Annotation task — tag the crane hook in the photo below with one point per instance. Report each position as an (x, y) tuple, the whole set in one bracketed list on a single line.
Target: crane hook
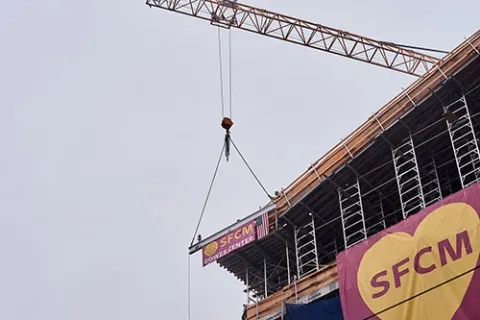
[(227, 123)]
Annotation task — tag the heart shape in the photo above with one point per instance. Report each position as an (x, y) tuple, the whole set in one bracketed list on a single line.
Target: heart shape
[(446, 244)]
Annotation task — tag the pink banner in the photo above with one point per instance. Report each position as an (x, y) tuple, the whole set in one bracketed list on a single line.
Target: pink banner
[(424, 267), (230, 242)]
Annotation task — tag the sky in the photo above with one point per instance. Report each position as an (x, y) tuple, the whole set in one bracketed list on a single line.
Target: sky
[(110, 131)]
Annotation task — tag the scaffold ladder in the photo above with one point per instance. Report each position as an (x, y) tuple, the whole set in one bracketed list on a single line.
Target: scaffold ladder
[(408, 178), (431, 185), (331, 251), (445, 184), (464, 142), (353, 220), (380, 224), (306, 248)]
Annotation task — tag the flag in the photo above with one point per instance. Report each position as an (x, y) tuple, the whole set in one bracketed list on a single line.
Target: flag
[(261, 225)]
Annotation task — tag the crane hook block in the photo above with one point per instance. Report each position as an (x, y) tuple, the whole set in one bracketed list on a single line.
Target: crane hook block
[(227, 123)]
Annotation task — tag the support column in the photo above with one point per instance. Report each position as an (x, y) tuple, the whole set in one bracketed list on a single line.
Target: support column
[(380, 224), (431, 184), (408, 178), (288, 262), (265, 276), (295, 286), (248, 285), (446, 184), (464, 142), (306, 248), (330, 251), (351, 210)]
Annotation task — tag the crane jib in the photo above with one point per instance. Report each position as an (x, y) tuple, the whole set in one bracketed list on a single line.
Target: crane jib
[(231, 14)]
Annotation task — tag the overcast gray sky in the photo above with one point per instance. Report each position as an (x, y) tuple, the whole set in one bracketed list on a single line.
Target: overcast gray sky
[(109, 133)]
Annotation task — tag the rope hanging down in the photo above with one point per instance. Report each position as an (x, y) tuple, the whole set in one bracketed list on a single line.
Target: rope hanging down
[(208, 194), (250, 168), (227, 124), (226, 143)]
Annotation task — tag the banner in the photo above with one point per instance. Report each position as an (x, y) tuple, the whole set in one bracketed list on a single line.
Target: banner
[(424, 267), (325, 309), (230, 242)]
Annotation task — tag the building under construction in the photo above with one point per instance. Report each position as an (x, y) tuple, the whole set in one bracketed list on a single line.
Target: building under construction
[(418, 154)]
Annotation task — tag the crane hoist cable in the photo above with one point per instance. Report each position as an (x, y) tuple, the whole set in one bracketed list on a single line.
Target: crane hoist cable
[(222, 100), (227, 122), (230, 70), (220, 59)]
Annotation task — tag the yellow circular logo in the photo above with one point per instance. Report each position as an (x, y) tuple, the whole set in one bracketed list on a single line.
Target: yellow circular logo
[(211, 248)]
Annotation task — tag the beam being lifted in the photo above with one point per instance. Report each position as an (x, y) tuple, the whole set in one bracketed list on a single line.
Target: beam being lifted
[(200, 244), (230, 14)]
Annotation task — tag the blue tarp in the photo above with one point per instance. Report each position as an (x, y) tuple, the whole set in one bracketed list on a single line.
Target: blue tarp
[(328, 309)]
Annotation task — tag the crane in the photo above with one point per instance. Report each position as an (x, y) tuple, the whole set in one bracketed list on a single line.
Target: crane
[(230, 14)]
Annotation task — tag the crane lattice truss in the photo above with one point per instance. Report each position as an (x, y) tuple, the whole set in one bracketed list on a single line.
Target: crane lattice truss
[(230, 14)]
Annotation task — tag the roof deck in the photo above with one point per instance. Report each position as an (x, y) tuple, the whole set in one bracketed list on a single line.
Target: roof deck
[(419, 148)]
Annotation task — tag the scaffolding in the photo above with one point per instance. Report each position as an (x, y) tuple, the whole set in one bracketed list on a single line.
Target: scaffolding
[(424, 167), (351, 211), (306, 248), (379, 212), (408, 178), (464, 141), (431, 184)]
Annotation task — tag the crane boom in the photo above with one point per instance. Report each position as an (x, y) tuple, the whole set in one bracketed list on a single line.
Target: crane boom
[(229, 14)]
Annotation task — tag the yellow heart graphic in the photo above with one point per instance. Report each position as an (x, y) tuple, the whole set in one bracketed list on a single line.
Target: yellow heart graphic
[(446, 244)]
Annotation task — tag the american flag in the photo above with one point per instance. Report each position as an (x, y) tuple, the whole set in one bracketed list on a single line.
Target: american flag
[(261, 225)]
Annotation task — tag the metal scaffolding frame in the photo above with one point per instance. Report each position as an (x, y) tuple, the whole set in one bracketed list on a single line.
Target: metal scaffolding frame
[(464, 141), (418, 187), (408, 178), (380, 213), (430, 183), (351, 212), (445, 184), (427, 166), (426, 169), (331, 250), (287, 258), (306, 248)]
